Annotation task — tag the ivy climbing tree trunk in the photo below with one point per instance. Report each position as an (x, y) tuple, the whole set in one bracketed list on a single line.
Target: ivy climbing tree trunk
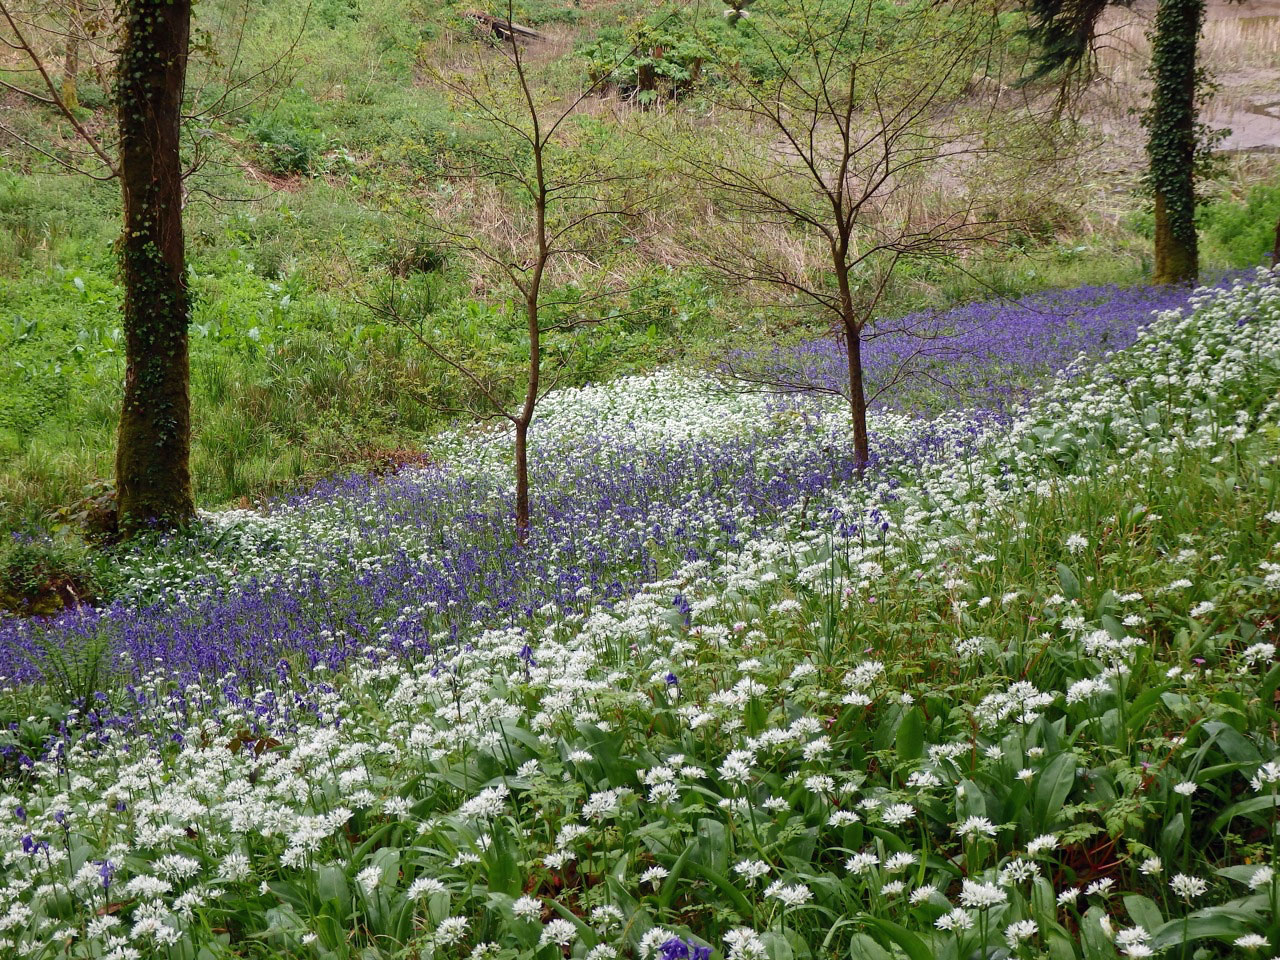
[(153, 474), (1171, 143)]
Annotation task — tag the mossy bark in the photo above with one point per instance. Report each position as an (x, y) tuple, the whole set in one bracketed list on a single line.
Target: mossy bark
[(153, 474), (71, 72), (1171, 144)]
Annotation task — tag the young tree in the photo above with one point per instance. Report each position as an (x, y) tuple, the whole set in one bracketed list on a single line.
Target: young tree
[(1065, 31), (861, 147), (558, 189)]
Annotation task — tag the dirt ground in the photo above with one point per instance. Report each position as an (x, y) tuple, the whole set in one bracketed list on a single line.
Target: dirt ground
[(1241, 48)]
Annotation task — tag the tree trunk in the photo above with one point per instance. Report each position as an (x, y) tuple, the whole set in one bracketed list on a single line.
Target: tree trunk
[(1171, 143), (71, 69), (153, 474), (853, 349), (646, 83), (522, 480), (857, 395)]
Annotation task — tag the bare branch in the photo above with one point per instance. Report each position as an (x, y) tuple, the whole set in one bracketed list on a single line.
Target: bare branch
[(23, 45)]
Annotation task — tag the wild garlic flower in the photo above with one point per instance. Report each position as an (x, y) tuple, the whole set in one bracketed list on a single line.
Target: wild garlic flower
[(1188, 887)]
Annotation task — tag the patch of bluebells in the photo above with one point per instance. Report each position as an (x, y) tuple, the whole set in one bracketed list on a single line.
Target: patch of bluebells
[(676, 949), (338, 596), (991, 354)]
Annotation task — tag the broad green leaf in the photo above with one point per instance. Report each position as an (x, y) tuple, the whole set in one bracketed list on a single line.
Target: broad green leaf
[(1070, 583), (908, 942), (1243, 809), (911, 735), (669, 885), (732, 893), (1199, 927), (862, 947), (1144, 912), (1053, 786)]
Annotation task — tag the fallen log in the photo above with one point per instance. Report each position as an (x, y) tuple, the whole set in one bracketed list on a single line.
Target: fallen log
[(488, 24)]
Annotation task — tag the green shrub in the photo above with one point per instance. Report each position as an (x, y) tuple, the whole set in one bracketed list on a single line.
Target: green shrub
[(289, 140), (336, 13), (1243, 232), (662, 57), (1233, 233)]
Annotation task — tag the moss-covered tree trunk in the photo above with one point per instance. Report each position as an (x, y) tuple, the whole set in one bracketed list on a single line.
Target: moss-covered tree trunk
[(153, 474), (71, 63), (1171, 144)]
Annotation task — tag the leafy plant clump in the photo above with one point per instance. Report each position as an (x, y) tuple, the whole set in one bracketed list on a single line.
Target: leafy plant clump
[(44, 575), (668, 54), (288, 139)]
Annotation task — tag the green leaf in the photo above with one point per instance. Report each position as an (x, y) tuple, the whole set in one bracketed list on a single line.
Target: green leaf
[(331, 884), (1144, 912), (1199, 927), (1053, 786), (669, 886), (911, 735), (1171, 835), (969, 800), (1060, 946), (1267, 692), (504, 871), (776, 946), (1243, 809), (713, 844), (908, 942), (1242, 873), (1070, 583), (862, 947), (1097, 945), (734, 895), (1230, 741), (1114, 627)]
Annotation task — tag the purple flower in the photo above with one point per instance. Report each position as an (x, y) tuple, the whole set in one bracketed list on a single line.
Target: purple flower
[(676, 949)]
